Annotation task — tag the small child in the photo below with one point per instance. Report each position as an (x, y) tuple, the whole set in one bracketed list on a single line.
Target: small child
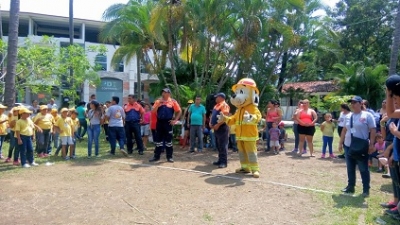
[(74, 126), (327, 128), (232, 137), (274, 134), (380, 147), (282, 136), (64, 128)]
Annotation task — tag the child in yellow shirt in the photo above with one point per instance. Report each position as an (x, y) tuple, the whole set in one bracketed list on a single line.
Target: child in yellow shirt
[(327, 128), (13, 116), (232, 137), (63, 127), (3, 129), (43, 120), (74, 126), (25, 133)]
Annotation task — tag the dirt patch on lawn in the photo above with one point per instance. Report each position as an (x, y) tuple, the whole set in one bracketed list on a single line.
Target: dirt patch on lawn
[(127, 191)]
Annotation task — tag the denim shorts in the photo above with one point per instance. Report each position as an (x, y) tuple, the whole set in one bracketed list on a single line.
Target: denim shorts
[(67, 140)]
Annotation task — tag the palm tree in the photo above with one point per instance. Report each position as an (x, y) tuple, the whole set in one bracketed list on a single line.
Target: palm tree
[(9, 95), (394, 55)]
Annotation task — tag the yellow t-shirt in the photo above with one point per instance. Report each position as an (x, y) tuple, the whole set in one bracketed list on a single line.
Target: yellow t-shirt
[(65, 126), (232, 129), (25, 127), (12, 121), (74, 124), (3, 125), (44, 121), (328, 129)]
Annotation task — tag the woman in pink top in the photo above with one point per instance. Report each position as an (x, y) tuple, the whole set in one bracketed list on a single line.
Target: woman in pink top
[(145, 126), (306, 118), (272, 115)]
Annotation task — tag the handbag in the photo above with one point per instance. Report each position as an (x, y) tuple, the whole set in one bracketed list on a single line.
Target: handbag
[(359, 147)]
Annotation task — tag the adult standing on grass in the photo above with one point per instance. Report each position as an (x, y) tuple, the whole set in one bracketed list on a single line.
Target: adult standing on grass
[(168, 114), (197, 115), (361, 124), (295, 130), (307, 118), (96, 118), (24, 130), (134, 117), (45, 121), (392, 100), (273, 114), (344, 113), (186, 124), (116, 119), (82, 119)]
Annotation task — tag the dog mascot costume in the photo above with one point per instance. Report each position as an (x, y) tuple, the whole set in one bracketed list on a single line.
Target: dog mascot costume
[(246, 118)]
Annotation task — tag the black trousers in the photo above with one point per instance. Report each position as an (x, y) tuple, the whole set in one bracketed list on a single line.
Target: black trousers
[(222, 140)]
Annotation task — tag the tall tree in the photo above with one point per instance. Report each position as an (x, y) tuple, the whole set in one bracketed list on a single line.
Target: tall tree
[(394, 55), (9, 95)]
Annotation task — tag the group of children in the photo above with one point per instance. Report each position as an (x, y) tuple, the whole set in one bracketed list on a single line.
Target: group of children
[(26, 128), (277, 135)]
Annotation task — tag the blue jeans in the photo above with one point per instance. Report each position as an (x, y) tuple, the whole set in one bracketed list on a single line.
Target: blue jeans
[(93, 132), (232, 138), (13, 147), (395, 175), (42, 141), (26, 149), (116, 133), (327, 141), (84, 126), (297, 138), (351, 171), (2, 138), (196, 131), (212, 140), (55, 139)]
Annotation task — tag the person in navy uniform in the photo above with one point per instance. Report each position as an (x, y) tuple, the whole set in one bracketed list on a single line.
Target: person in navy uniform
[(134, 116), (168, 113), (221, 130)]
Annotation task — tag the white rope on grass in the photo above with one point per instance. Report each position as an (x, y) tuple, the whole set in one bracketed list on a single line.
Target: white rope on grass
[(223, 176)]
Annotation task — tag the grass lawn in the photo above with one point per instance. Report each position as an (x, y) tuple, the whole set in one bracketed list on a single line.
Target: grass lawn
[(313, 173)]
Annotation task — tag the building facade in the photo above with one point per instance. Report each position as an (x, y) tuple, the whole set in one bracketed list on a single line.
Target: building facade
[(119, 80)]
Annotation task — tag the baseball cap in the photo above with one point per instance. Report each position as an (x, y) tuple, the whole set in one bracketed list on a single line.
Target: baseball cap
[(64, 110), (393, 84), (220, 95), (24, 110), (167, 90), (355, 99)]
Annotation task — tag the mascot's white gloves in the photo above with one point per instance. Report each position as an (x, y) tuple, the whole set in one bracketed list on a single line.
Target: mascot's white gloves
[(249, 118), (222, 118)]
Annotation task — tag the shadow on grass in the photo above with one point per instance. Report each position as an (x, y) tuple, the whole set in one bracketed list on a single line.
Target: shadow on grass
[(387, 188), (8, 167), (343, 200), (221, 180), (387, 219)]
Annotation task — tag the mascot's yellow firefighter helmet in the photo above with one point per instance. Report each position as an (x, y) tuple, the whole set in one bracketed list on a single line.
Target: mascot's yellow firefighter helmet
[(247, 82)]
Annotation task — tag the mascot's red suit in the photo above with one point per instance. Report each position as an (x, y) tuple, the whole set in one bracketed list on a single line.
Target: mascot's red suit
[(246, 118)]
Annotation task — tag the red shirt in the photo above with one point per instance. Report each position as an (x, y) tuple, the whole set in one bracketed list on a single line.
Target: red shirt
[(153, 120)]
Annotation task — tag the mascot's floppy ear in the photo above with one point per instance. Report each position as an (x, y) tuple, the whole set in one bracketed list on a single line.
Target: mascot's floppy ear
[(256, 98)]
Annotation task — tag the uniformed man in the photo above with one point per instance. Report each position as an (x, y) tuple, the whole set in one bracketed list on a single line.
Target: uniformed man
[(134, 116), (168, 113), (221, 130)]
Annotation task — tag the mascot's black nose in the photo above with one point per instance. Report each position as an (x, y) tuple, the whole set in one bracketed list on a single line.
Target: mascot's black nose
[(233, 95)]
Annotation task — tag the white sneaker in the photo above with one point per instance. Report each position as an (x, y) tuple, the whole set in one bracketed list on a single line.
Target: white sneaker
[(26, 166), (34, 164)]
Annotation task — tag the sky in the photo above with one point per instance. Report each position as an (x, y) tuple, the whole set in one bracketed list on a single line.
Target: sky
[(83, 9)]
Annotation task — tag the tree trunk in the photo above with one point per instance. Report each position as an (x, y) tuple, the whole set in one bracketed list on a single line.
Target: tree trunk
[(9, 95), (394, 55), (71, 42), (139, 78), (282, 75), (171, 53)]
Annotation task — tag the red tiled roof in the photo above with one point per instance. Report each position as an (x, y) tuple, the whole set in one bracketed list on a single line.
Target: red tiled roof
[(312, 86)]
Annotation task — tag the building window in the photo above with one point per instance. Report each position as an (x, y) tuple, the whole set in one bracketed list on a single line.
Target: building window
[(121, 66), (101, 61)]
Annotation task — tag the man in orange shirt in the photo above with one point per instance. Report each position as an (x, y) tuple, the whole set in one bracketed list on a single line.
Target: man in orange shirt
[(168, 113), (134, 116), (221, 130)]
